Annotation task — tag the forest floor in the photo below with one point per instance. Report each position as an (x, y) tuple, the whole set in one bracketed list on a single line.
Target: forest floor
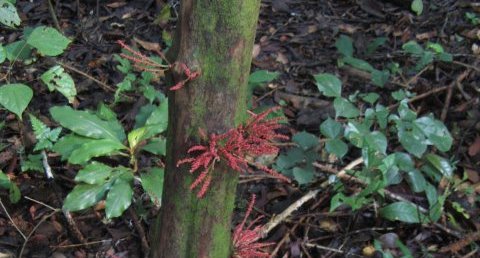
[(295, 38)]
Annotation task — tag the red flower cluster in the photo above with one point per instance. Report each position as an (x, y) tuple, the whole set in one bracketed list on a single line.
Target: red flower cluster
[(255, 138), (145, 63), (245, 240)]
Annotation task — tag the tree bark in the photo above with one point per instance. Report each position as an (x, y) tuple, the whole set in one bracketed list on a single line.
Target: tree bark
[(216, 38)]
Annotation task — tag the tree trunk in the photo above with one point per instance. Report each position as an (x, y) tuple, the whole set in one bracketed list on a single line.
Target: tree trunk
[(216, 38)]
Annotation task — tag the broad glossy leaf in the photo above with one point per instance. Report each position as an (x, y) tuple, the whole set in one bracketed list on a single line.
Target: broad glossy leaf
[(337, 147), (118, 199), (18, 50), (344, 45), (442, 165), (412, 47), (404, 161), (136, 136), (417, 6), (344, 108), (303, 175), (70, 142), (305, 140), (92, 149), (86, 124), (8, 14), (331, 128), (328, 84), (402, 211), (413, 141), (157, 146), (15, 98), (84, 196), (416, 180), (57, 79), (48, 41), (262, 76), (94, 173), (359, 64), (436, 132), (377, 141), (152, 183)]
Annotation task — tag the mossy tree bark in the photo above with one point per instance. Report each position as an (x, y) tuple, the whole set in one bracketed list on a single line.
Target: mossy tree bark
[(216, 38)]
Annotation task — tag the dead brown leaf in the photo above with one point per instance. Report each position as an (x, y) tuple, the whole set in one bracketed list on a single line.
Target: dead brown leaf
[(474, 148)]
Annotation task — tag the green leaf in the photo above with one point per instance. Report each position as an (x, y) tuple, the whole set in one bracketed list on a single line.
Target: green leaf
[(305, 140), (44, 135), (32, 163), (404, 161), (417, 6), (328, 84), (425, 59), (337, 147), (262, 76), (14, 193), (416, 180), (57, 79), (97, 148), (377, 141), (442, 165), (136, 136), (8, 14), (303, 176), (402, 211), (331, 128), (343, 108), (4, 180), (67, 144), (18, 50), (445, 57), (344, 45), (124, 67), (86, 124), (152, 183), (84, 196), (48, 41), (358, 63), (118, 199), (437, 48), (412, 47), (106, 113), (94, 173), (436, 132), (157, 146), (355, 132), (15, 98), (3, 54), (373, 45), (379, 78), (413, 141), (159, 117), (370, 98)]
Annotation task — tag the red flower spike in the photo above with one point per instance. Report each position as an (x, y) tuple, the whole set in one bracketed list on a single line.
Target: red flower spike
[(253, 139), (245, 240)]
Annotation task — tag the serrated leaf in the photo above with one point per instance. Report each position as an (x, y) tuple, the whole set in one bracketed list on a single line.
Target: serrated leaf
[(344, 108), (15, 98), (18, 50), (44, 135), (331, 128), (337, 147), (442, 165), (262, 76), (358, 63), (305, 140), (92, 149), (344, 45), (412, 47), (328, 84), (57, 79), (401, 211), (436, 132), (67, 144), (377, 141), (86, 124), (32, 163), (94, 173), (48, 41), (417, 6), (84, 196), (118, 199), (152, 183), (303, 175), (8, 14)]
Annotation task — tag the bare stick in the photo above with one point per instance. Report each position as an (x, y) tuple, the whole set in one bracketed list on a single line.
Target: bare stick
[(103, 85), (54, 15), (11, 220)]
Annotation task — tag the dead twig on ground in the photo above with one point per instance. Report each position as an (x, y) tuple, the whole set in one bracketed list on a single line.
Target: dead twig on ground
[(11, 220)]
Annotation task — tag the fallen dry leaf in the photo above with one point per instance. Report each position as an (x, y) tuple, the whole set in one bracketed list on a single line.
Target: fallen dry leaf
[(474, 148)]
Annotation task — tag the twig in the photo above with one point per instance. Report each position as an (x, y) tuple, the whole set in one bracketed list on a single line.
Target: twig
[(284, 238), (448, 98), (41, 203), (325, 248), (80, 245), (33, 231), (103, 85), (54, 16), (297, 204), (11, 220), (141, 232)]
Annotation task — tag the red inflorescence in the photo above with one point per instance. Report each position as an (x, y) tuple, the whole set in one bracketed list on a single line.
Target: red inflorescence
[(145, 63), (245, 240), (255, 138)]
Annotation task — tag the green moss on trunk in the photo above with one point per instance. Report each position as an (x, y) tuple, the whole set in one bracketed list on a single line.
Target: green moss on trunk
[(216, 38)]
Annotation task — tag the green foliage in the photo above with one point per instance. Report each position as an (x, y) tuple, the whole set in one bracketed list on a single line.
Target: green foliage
[(471, 17), (258, 80), (3, 54), (6, 183), (48, 41), (57, 79), (15, 98), (417, 6), (8, 14), (426, 57), (44, 135)]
